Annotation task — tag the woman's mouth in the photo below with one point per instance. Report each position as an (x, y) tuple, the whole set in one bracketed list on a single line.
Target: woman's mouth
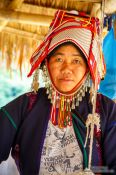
[(66, 80)]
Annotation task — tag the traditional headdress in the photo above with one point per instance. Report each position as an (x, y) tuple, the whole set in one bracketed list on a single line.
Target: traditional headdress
[(80, 29), (83, 31)]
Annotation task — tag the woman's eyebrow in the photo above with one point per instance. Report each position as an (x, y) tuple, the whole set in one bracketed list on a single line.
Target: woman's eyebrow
[(58, 53), (61, 53), (78, 54)]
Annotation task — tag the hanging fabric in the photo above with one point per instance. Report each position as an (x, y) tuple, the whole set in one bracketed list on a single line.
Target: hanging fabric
[(108, 85)]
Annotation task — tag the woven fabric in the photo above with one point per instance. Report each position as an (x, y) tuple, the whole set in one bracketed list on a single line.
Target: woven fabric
[(81, 37)]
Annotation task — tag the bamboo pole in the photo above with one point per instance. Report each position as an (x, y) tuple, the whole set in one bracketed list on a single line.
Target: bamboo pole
[(2, 4), (25, 18), (14, 4), (23, 34), (35, 9), (94, 1), (96, 10)]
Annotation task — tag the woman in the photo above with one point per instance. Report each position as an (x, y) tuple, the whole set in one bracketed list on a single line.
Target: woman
[(47, 130)]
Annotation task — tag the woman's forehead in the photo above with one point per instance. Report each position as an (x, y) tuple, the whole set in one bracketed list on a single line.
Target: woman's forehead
[(68, 47)]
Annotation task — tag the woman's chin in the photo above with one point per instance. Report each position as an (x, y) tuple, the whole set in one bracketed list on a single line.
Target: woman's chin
[(65, 89)]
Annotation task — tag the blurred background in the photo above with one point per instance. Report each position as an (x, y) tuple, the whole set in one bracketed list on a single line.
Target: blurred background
[(23, 25)]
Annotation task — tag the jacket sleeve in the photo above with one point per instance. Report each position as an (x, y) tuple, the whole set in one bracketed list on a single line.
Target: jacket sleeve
[(11, 116), (108, 123)]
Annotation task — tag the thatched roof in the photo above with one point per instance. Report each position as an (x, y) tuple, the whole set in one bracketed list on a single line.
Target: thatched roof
[(24, 23)]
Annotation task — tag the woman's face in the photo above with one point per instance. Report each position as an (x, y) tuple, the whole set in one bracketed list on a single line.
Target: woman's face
[(66, 67)]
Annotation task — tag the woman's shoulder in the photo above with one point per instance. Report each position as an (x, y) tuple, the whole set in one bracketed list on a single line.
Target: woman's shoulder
[(33, 97), (105, 100), (107, 107), (23, 101)]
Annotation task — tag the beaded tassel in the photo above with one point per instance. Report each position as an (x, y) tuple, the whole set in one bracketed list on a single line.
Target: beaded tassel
[(53, 111), (64, 116), (35, 83), (92, 118)]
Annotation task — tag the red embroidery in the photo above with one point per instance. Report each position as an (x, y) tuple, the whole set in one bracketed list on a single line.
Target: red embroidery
[(32, 99)]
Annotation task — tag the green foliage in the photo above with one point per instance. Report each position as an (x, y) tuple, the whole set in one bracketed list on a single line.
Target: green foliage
[(12, 86)]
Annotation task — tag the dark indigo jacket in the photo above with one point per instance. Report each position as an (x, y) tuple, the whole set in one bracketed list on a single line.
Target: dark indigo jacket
[(23, 124)]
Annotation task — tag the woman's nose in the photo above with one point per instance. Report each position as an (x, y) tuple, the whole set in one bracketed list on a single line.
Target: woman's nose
[(66, 68)]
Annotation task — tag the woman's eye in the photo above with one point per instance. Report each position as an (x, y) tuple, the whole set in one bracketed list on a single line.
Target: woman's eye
[(59, 59), (76, 61)]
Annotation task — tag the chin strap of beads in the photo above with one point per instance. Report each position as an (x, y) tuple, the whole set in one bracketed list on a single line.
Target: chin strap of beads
[(63, 102)]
